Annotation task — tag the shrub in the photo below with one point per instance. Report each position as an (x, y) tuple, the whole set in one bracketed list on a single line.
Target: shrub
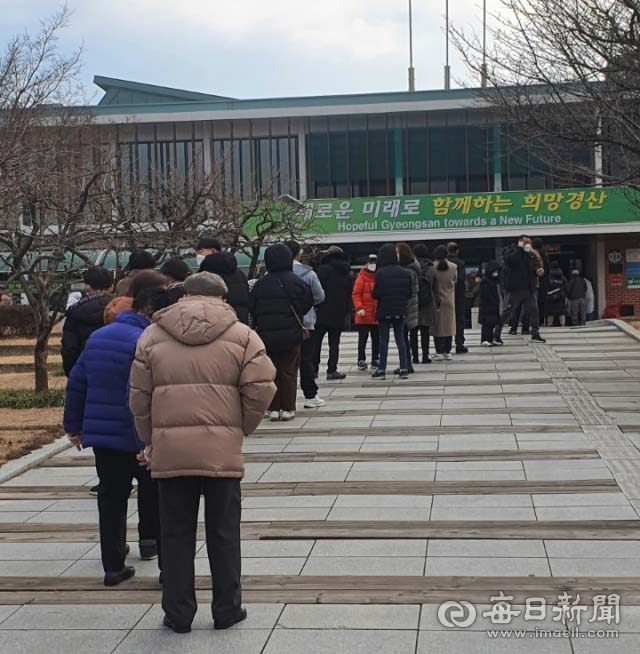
[(16, 320), (27, 399)]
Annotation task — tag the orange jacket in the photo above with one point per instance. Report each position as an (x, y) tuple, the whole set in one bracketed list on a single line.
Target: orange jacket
[(362, 298)]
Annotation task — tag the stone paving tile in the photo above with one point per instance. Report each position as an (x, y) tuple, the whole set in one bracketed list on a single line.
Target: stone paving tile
[(585, 549), (289, 502), (261, 566), (271, 548), (24, 506), (407, 421), (383, 501), (49, 551), (586, 513), (403, 446), (359, 641), (480, 475), (487, 501), (65, 616), (259, 616), (368, 566), (253, 471), (475, 419), (378, 514), (247, 641), (599, 567), (475, 643), (268, 515), (579, 499), (349, 616), (69, 517), (379, 547), (624, 644), (498, 548), (478, 465), (16, 516), (6, 610), (504, 513), (93, 568), (296, 472), (87, 641), (34, 568), (487, 566)]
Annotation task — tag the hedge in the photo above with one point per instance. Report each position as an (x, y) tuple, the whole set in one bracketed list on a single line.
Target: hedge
[(27, 399), (16, 320)]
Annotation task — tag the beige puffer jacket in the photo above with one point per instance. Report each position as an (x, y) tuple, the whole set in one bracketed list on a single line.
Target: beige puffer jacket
[(200, 381)]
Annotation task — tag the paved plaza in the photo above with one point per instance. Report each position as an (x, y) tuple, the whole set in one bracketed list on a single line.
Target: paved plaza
[(513, 469)]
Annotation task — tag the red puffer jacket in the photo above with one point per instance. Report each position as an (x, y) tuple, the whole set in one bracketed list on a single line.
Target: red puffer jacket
[(362, 298)]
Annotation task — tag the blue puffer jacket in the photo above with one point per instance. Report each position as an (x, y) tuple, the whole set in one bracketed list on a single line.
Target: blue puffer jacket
[(97, 398)]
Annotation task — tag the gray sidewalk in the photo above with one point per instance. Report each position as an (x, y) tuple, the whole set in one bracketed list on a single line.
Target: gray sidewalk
[(510, 469)]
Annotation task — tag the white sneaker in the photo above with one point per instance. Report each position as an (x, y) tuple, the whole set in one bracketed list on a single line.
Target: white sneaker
[(274, 416), (437, 357), (314, 403), (285, 416), (487, 344), (447, 356)]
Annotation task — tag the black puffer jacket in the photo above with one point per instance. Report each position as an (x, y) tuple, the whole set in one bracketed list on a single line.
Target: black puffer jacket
[(460, 281), (489, 313), (83, 318), (334, 276), (393, 285), (520, 271), (274, 296), (225, 265)]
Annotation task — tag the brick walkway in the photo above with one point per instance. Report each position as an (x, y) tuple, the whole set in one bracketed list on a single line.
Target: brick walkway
[(513, 469)]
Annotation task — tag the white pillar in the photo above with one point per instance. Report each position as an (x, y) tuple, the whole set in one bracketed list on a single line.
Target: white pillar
[(601, 268), (597, 157), (207, 133), (302, 160)]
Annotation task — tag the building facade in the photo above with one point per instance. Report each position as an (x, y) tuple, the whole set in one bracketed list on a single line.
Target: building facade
[(428, 166)]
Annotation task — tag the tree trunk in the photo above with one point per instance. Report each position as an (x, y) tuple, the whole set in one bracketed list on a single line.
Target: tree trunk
[(40, 359), (255, 257)]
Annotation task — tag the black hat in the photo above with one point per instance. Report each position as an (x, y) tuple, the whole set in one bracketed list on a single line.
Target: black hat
[(208, 243), (141, 260), (98, 278)]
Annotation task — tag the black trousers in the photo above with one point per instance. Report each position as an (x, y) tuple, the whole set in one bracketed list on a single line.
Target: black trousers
[(179, 503), (363, 336), (443, 344), (424, 334), (513, 303), (116, 471), (460, 320), (307, 368), (334, 347), (486, 334)]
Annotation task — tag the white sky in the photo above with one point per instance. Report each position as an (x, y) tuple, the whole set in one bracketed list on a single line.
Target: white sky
[(257, 48)]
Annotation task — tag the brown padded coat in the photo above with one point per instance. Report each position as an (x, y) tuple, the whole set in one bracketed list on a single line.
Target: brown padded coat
[(200, 381)]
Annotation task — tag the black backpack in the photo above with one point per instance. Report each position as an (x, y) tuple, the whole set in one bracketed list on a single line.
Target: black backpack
[(425, 290), (555, 292)]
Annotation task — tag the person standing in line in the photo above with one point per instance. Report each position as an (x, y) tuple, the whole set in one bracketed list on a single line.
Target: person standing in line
[(143, 279), (521, 272), (365, 314), (577, 294), (97, 415), (334, 275), (139, 260), (278, 303), (85, 316), (453, 256), (392, 290), (200, 382), (427, 292), (176, 270), (206, 246), (445, 325), (556, 296), (225, 265), (590, 300), (489, 314), (307, 371), (408, 260)]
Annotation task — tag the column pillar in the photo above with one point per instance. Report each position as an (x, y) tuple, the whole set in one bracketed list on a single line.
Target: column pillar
[(496, 157)]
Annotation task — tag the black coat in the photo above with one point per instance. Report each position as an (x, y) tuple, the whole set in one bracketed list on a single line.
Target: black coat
[(489, 313), (273, 299), (225, 265), (393, 285), (334, 275), (460, 281), (520, 271), (83, 318)]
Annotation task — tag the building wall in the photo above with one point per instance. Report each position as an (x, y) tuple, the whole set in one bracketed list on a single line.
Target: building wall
[(616, 288)]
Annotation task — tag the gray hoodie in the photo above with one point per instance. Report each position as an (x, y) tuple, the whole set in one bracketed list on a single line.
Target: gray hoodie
[(308, 276)]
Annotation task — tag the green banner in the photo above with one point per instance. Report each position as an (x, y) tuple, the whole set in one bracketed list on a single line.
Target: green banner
[(518, 209)]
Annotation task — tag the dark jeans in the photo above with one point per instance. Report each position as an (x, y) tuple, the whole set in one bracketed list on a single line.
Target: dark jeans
[(116, 471), (334, 347), (398, 334), (287, 363), (460, 319), (443, 344), (513, 302), (424, 333), (487, 332), (307, 368), (363, 336), (179, 503)]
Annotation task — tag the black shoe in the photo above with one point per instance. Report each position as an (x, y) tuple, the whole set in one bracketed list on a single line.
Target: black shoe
[(498, 341), (461, 349), (160, 579), (127, 549), (398, 371), (379, 374), (426, 360), (526, 332), (538, 339), (225, 624), (174, 627), (115, 578), (404, 374), (94, 489), (375, 364), (148, 550), (513, 332), (336, 376), (415, 360)]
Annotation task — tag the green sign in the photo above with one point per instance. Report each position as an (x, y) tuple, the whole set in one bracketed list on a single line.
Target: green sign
[(521, 209)]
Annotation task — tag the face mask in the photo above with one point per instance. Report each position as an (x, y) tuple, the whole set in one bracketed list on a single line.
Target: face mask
[(371, 267), (495, 274), (527, 248), (199, 259)]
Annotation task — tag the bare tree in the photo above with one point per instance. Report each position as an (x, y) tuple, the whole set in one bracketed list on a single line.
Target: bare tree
[(564, 76)]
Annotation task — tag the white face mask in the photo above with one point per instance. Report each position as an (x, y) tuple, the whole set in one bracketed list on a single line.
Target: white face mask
[(527, 248), (371, 267), (199, 259), (495, 274)]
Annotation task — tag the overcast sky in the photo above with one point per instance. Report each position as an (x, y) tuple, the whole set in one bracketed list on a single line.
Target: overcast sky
[(255, 48)]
